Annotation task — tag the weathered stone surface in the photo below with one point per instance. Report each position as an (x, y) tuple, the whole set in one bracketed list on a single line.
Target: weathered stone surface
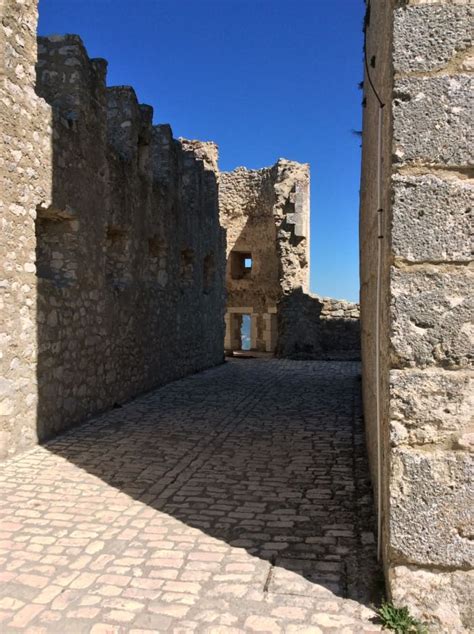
[(432, 120), (432, 508), (378, 43), (426, 38), (431, 314), (415, 230), (442, 598), (432, 218), (266, 217), (25, 183), (430, 406)]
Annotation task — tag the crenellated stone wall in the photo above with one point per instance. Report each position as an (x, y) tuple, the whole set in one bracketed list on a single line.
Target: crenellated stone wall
[(114, 256), (419, 58)]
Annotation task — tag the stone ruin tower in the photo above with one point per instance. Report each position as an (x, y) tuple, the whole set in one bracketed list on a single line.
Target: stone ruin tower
[(266, 217)]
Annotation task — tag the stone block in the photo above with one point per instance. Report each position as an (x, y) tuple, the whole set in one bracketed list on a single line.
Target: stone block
[(431, 508), (427, 37), (444, 599), (430, 406), (432, 218), (432, 120), (431, 317)]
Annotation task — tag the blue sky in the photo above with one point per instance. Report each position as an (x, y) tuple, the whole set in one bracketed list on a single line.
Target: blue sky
[(263, 78)]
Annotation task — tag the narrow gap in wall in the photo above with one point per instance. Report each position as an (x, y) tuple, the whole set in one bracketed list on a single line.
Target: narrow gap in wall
[(245, 329)]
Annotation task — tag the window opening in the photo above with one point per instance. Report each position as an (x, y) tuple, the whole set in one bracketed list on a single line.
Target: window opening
[(241, 264)]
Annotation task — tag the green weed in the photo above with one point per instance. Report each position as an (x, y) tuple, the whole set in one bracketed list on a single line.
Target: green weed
[(399, 620)]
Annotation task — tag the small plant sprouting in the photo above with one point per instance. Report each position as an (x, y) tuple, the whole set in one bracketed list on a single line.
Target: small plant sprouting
[(399, 620)]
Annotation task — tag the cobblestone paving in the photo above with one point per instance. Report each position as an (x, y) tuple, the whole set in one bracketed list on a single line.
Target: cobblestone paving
[(236, 500)]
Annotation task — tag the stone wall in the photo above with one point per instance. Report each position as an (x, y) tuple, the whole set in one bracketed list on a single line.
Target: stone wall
[(312, 327), (266, 216), (418, 58), (113, 248), (25, 180)]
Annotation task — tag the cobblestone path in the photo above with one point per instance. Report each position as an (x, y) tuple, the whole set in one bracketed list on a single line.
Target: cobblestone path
[(236, 500)]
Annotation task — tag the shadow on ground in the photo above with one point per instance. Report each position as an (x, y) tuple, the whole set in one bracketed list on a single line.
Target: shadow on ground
[(261, 454)]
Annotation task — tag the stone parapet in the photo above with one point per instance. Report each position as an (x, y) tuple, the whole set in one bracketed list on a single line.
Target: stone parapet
[(314, 327)]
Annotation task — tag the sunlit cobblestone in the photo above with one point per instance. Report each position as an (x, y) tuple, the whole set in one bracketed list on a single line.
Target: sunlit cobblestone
[(236, 500)]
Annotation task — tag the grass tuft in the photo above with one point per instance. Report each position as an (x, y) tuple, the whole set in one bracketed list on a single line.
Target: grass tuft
[(399, 620)]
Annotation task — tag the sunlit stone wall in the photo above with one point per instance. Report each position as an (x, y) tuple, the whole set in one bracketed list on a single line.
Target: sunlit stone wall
[(419, 57)]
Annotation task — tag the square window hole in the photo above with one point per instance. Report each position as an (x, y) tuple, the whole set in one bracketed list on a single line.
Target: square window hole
[(240, 264)]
